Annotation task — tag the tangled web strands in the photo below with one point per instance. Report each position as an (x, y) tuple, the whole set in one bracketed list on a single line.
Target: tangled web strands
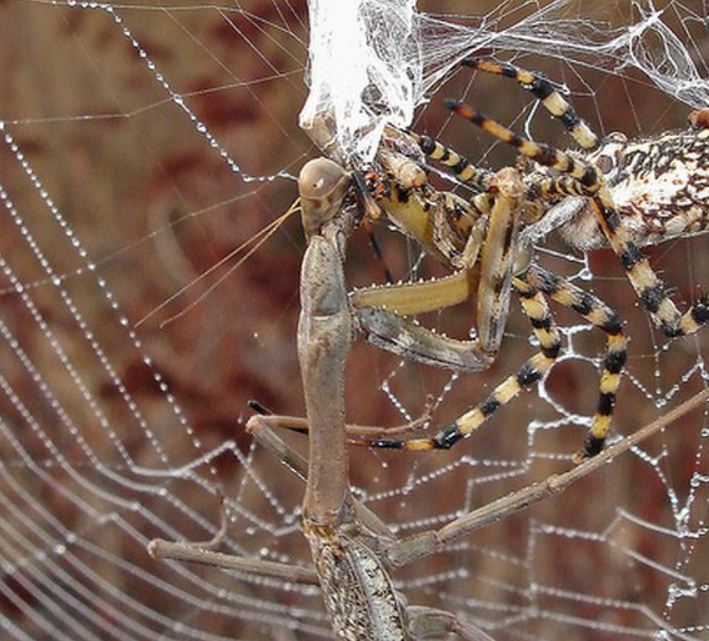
[(372, 62), (152, 142)]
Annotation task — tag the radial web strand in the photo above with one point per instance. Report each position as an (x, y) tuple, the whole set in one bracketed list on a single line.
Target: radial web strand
[(140, 145)]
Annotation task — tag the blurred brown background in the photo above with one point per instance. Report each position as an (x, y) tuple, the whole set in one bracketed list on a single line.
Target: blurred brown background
[(155, 206)]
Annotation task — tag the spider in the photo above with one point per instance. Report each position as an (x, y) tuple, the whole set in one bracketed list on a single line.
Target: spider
[(632, 193)]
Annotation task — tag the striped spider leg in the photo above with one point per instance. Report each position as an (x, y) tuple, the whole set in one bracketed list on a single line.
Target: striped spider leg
[(656, 189), (381, 314), (647, 285), (490, 264), (677, 158)]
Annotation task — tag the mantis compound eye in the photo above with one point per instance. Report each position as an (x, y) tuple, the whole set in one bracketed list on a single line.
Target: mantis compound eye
[(322, 185)]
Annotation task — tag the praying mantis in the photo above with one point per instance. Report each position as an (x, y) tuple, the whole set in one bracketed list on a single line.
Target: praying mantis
[(354, 553)]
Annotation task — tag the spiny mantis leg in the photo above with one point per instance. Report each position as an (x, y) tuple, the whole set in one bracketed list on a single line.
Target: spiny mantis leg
[(425, 623), (537, 310), (425, 543), (411, 341), (380, 314), (498, 255), (379, 311)]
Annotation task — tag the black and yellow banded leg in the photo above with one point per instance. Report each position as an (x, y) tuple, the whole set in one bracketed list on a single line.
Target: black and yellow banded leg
[(549, 188), (600, 315), (648, 286), (544, 91), (533, 370), (477, 177), (586, 173)]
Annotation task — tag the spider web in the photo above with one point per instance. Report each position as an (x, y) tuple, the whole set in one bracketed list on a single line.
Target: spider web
[(142, 144)]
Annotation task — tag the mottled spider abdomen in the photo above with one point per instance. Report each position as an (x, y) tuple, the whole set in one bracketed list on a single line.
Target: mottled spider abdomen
[(660, 189)]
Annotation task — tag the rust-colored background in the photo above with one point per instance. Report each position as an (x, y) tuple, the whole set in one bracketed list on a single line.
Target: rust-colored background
[(155, 206)]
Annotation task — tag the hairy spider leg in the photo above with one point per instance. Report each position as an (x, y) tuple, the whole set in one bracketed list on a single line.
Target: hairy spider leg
[(532, 288), (600, 315), (476, 177), (547, 155), (543, 90), (537, 310), (480, 179), (648, 286)]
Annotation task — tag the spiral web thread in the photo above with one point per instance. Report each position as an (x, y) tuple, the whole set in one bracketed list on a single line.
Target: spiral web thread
[(139, 145)]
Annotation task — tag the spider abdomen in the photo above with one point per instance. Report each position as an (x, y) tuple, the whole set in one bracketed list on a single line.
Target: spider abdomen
[(660, 189)]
